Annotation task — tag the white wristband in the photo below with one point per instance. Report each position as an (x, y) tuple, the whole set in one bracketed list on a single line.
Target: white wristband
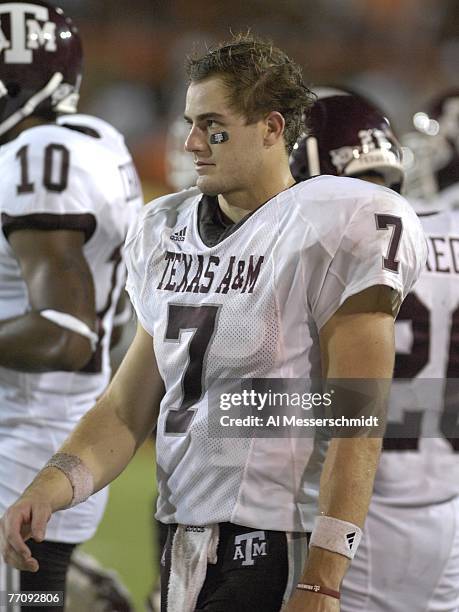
[(336, 535)]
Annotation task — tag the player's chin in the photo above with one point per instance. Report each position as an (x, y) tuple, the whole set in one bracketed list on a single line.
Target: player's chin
[(208, 185)]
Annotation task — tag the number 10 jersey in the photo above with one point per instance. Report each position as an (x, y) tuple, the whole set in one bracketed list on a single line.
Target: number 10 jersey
[(66, 176)]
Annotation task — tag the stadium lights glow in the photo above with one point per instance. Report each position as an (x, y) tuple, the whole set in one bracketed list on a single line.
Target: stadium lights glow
[(424, 124)]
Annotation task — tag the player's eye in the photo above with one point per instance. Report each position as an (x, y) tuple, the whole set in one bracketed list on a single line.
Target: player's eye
[(211, 123)]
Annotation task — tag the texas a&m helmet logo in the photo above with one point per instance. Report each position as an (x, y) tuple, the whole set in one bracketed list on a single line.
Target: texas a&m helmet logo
[(29, 29), (40, 62)]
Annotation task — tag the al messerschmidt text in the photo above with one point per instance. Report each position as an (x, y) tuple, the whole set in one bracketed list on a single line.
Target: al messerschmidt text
[(289, 421)]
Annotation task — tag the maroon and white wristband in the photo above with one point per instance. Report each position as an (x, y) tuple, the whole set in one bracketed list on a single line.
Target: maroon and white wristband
[(319, 589)]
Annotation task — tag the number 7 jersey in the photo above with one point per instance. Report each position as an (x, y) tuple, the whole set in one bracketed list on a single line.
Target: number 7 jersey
[(251, 305)]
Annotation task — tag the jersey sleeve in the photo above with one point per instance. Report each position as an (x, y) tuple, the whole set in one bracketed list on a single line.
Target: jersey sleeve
[(142, 245), (49, 191), (136, 254), (382, 244)]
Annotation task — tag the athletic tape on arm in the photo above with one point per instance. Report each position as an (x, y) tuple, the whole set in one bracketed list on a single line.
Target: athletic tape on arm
[(77, 474), (72, 323)]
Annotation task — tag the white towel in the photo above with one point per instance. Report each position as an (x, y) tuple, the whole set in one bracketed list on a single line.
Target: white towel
[(192, 549)]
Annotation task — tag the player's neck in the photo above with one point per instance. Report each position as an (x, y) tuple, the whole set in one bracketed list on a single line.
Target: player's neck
[(238, 204)]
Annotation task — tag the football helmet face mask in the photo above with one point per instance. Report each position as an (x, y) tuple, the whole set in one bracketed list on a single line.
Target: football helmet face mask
[(40, 62), (347, 136), (418, 153), (438, 126)]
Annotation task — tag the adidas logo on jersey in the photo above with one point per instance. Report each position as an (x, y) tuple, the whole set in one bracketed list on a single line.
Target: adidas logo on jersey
[(350, 537), (194, 529), (179, 236)]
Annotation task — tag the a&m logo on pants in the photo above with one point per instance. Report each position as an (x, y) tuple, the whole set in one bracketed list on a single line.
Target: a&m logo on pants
[(247, 546)]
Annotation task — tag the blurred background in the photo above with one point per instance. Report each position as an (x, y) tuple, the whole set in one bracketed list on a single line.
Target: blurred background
[(397, 52)]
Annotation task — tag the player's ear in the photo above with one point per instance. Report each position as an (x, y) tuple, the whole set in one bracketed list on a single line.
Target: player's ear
[(274, 128)]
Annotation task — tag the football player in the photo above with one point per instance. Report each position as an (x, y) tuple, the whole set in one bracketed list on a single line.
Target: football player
[(68, 194), (409, 555), (246, 276)]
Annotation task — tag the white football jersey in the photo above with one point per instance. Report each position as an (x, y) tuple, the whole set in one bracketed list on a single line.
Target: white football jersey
[(76, 174), (426, 470), (251, 306)]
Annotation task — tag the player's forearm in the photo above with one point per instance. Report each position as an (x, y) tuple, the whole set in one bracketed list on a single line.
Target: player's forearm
[(357, 346), (31, 343), (345, 494), (102, 442), (348, 477), (108, 435)]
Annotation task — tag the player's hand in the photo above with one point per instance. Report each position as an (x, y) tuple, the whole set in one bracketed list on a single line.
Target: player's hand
[(302, 601), (27, 518)]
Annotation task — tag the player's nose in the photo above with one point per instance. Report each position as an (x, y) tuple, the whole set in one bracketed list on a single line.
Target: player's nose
[(196, 140)]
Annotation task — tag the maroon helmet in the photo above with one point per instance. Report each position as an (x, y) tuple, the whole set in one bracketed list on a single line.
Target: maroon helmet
[(346, 135), (40, 62), (439, 123)]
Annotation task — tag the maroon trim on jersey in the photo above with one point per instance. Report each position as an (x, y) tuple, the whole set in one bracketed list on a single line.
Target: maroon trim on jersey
[(213, 225), (428, 214), (49, 221), (83, 129)]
